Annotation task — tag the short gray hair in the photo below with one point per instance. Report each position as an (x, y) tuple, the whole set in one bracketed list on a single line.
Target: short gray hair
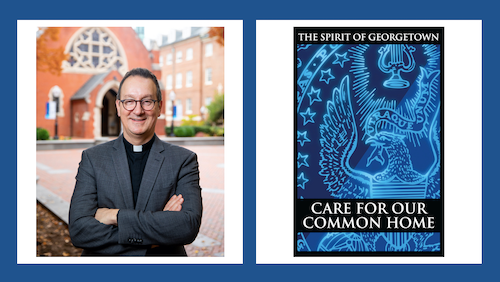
[(142, 73)]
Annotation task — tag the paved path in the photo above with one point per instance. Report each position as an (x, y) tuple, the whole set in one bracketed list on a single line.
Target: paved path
[(56, 171)]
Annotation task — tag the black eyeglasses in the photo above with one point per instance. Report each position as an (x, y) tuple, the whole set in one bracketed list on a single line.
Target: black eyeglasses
[(146, 104)]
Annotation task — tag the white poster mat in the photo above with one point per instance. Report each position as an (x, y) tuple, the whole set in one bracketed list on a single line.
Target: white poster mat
[(275, 135)]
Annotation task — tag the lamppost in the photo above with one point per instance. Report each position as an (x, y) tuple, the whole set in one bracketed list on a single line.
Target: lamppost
[(56, 93), (172, 94), (202, 112), (172, 98)]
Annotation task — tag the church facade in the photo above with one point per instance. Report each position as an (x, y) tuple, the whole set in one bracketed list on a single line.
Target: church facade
[(85, 91)]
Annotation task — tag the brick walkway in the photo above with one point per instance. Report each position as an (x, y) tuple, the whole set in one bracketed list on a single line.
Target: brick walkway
[(57, 169)]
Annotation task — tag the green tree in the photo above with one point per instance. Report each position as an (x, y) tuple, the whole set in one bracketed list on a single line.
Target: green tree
[(216, 110)]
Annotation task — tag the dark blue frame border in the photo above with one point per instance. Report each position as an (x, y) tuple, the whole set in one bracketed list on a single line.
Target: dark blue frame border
[(249, 12)]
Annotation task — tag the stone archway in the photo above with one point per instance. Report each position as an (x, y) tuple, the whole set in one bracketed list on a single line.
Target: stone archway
[(110, 122), (106, 93)]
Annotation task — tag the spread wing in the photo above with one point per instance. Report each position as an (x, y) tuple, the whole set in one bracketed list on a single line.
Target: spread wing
[(434, 175), (338, 141)]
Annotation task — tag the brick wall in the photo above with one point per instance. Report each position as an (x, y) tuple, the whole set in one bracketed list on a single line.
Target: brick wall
[(216, 63), (199, 90)]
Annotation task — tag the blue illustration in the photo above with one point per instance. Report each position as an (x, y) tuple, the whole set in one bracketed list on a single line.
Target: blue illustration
[(302, 138), (326, 76), (341, 59), (308, 116), (393, 59), (302, 160), (314, 96), (374, 133), (301, 181), (369, 242)]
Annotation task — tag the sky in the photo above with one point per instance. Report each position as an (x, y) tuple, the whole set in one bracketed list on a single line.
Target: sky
[(156, 31)]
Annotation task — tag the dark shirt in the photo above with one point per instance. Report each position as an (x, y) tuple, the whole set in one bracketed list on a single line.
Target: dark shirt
[(137, 164)]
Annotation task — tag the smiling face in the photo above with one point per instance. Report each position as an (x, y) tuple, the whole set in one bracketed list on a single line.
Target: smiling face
[(138, 124)]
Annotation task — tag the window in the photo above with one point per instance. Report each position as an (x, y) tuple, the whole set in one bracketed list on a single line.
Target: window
[(178, 80), (209, 50), (94, 51), (161, 61), (189, 107), (189, 54), (169, 82), (208, 100), (169, 59), (189, 79), (178, 57), (208, 76)]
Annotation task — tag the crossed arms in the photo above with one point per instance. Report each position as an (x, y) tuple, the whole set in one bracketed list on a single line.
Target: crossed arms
[(110, 216)]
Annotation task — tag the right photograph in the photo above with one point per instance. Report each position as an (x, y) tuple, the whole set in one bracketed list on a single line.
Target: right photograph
[(369, 141)]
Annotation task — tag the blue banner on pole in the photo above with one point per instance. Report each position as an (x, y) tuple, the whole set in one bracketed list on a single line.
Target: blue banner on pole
[(50, 110)]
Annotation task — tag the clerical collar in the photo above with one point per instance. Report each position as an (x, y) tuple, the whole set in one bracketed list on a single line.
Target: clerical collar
[(139, 148)]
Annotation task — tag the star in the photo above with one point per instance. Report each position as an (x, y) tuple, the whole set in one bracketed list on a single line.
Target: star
[(330, 76), (344, 59), (302, 138), (308, 116), (301, 160), (301, 181), (316, 98)]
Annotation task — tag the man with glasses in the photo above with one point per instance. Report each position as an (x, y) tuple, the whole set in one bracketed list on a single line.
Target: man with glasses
[(136, 195)]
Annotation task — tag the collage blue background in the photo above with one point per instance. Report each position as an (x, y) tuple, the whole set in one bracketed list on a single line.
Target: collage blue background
[(249, 12)]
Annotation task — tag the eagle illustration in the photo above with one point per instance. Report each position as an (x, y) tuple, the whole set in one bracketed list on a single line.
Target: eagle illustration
[(387, 130)]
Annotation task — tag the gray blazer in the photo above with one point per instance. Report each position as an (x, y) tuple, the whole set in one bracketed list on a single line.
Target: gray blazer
[(103, 181)]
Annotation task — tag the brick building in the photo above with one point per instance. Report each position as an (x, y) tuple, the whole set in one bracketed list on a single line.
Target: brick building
[(192, 66), (99, 57)]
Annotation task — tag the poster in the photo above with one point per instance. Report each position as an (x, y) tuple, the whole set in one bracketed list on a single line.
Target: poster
[(369, 142)]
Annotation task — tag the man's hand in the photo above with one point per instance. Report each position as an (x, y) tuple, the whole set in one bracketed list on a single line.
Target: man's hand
[(107, 216), (174, 204)]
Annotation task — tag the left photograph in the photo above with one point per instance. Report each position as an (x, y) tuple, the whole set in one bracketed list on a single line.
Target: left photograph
[(130, 141)]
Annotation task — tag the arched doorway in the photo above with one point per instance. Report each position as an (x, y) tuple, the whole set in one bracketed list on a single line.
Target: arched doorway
[(110, 122)]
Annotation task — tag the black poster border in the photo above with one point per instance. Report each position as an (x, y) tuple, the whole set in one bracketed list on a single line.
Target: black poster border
[(440, 30)]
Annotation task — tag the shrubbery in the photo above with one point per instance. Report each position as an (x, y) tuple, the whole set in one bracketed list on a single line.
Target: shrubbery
[(190, 126), (203, 128), (167, 130), (216, 110), (184, 131), (190, 131), (218, 131), (42, 134)]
